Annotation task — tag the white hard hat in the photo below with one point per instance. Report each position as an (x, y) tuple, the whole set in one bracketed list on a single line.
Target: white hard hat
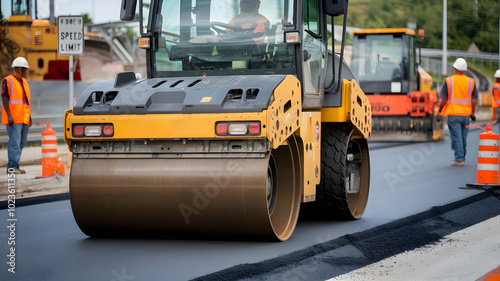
[(20, 62), (497, 73), (460, 64)]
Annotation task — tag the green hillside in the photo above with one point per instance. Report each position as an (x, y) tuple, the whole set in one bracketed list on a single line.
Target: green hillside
[(468, 21)]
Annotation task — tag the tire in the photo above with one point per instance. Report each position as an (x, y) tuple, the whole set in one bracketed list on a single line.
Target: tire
[(334, 200)]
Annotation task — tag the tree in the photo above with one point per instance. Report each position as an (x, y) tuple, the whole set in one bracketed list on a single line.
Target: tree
[(86, 18), (468, 21)]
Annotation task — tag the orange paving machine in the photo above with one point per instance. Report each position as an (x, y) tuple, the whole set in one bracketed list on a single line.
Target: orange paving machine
[(404, 106)]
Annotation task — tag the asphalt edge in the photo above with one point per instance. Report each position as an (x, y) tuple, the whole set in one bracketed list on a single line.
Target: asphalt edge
[(249, 271), (34, 200)]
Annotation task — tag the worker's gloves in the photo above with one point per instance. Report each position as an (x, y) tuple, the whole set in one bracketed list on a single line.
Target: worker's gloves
[(438, 117)]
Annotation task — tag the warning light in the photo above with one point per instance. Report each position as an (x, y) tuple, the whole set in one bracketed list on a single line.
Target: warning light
[(236, 128), (292, 37), (144, 43)]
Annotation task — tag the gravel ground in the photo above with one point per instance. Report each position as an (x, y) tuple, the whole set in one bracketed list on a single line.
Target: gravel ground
[(27, 185)]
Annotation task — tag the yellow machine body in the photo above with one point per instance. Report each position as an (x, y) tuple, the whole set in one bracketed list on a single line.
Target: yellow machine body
[(278, 125)]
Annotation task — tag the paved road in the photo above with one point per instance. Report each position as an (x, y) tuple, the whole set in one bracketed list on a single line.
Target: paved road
[(406, 179)]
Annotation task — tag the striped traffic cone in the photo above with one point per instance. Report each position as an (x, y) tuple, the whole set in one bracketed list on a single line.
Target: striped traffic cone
[(493, 277), (51, 167), (487, 161)]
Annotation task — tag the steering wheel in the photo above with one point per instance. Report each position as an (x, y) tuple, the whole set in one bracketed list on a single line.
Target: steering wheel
[(223, 30)]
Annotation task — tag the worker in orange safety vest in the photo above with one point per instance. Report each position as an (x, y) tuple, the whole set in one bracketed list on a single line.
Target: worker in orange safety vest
[(495, 104), (16, 112), (458, 99), (250, 20)]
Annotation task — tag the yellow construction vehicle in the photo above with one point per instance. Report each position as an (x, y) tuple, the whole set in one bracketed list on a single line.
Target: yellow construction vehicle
[(34, 39), (233, 131), (384, 62)]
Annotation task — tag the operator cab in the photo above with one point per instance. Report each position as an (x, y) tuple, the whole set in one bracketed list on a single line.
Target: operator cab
[(201, 38), (198, 38), (384, 61), (15, 8)]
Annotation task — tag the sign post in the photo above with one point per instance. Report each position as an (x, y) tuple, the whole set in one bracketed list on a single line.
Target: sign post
[(70, 42), (445, 38)]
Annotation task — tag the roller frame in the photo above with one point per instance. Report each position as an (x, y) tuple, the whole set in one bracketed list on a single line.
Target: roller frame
[(101, 165)]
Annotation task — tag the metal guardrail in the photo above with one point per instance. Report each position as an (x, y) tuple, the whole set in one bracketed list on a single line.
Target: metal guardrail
[(463, 54), (432, 63)]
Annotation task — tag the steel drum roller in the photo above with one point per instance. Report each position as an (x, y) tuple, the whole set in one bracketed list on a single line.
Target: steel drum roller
[(199, 196)]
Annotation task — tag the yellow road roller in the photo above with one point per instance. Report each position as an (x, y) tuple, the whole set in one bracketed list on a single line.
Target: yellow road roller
[(245, 118)]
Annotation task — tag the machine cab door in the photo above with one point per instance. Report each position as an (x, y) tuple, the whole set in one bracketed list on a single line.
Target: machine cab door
[(313, 53)]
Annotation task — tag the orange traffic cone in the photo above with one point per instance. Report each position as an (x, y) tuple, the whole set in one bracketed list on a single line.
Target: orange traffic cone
[(51, 167), (487, 161)]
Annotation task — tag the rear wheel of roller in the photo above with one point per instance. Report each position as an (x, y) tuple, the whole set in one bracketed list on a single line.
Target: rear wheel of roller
[(345, 174)]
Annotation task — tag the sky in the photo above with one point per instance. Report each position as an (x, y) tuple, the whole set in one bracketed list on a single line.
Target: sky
[(101, 11)]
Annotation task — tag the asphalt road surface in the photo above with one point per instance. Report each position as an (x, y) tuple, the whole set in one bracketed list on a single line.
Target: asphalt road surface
[(405, 180)]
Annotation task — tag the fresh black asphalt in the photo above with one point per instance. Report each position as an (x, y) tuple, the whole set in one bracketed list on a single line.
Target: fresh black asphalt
[(352, 251)]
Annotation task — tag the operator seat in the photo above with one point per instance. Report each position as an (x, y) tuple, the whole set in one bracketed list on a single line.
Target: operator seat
[(387, 70)]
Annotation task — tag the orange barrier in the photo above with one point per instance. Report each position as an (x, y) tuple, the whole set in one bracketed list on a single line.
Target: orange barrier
[(51, 166), (487, 161)]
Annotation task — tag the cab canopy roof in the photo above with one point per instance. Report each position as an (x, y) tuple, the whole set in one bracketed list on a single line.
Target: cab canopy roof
[(385, 31)]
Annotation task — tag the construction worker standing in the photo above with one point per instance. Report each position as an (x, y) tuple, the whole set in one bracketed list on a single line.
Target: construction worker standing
[(16, 112), (495, 104), (458, 101)]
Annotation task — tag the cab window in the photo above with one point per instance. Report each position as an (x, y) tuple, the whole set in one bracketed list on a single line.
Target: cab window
[(311, 16)]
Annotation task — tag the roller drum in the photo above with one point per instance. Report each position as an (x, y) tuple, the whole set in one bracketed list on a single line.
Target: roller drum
[(225, 196)]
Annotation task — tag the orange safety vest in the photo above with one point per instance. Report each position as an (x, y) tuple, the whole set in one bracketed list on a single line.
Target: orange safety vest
[(460, 89), (19, 109), (496, 95), (260, 20), (495, 102)]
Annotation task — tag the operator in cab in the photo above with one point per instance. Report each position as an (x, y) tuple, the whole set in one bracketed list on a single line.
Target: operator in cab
[(249, 19)]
